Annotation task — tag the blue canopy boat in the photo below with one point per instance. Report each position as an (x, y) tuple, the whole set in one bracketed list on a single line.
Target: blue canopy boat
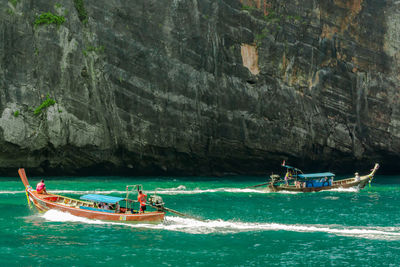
[(99, 207), (297, 181)]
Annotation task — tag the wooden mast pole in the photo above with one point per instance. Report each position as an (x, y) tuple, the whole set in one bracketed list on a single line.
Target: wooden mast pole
[(127, 194)]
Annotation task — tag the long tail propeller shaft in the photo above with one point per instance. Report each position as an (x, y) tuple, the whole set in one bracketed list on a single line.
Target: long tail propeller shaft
[(177, 213)]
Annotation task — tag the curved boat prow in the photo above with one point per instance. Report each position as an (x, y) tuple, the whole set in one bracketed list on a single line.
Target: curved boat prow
[(22, 175)]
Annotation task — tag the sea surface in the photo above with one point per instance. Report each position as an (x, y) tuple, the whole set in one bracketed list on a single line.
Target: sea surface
[(238, 227)]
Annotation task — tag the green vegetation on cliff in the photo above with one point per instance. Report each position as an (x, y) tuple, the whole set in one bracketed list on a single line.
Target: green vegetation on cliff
[(96, 49), (47, 103), (80, 8), (49, 18), (14, 2), (274, 18)]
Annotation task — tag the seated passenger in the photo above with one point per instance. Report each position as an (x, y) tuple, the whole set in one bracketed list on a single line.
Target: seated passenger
[(41, 188)]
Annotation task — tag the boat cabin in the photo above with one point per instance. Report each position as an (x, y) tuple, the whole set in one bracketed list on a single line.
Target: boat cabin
[(108, 204), (303, 180), (316, 179)]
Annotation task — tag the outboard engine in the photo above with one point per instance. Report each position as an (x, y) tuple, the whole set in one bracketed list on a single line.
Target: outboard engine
[(274, 178), (156, 201)]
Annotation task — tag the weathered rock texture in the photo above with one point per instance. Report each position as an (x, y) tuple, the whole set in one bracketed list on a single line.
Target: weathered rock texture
[(200, 86)]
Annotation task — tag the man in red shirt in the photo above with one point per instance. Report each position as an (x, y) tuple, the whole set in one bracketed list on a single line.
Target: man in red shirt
[(142, 198)]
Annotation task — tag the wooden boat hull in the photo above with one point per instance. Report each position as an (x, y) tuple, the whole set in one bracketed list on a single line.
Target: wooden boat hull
[(343, 183), (44, 202)]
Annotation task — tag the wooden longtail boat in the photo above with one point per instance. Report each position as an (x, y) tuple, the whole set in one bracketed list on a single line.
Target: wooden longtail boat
[(88, 207), (296, 181)]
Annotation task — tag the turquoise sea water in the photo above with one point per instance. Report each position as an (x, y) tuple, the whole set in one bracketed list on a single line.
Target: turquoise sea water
[(242, 227)]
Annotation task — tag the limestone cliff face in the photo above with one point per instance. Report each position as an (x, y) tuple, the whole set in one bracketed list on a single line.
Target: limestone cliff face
[(199, 87)]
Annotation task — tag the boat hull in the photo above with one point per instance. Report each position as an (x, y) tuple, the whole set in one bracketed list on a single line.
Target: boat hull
[(291, 188), (47, 202)]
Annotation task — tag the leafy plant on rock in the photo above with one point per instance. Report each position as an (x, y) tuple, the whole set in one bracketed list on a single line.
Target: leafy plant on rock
[(14, 2), (49, 18), (275, 19), (45, 104), (90, 48), (80, 8)]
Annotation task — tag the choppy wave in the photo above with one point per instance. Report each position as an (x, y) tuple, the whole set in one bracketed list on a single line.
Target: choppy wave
[(180, 190), (331, 198), (12, 192), (192, 226), (345, 190)]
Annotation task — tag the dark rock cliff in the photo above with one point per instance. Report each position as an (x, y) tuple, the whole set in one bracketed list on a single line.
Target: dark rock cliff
[(194, 87)]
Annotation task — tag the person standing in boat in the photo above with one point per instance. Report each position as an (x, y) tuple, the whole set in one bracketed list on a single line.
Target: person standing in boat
[(41, 188), (357, 177), (142, 198), (288, 176)]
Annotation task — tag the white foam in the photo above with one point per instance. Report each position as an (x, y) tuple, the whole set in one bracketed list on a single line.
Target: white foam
[(12, 192), (182, 190), (345, 190), (331, 198), (203, 191), (59, 216), (181, 187), (192, 226)]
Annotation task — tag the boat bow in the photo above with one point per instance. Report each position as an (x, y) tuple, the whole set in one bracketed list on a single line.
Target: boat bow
[(376, 167), (23, 177)]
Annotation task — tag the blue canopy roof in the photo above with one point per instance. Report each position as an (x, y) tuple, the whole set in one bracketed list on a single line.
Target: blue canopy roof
[(101, 198), (316, 175)]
